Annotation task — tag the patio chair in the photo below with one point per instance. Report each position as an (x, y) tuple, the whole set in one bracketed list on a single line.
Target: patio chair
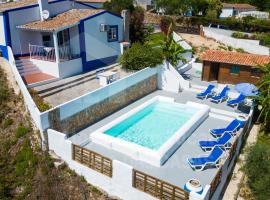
[(222, 142), (198, 164), (207, 92), (231, 128), (237, 101), (221, 96)]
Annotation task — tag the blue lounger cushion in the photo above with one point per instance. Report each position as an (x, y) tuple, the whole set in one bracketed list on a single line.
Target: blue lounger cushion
[(236, 101), (207, 92), (232, 127), (221, 142)]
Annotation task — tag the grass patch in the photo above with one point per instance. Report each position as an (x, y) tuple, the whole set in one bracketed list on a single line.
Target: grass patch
[(155, 39), (22, 131), (42, 106), (7, 123)]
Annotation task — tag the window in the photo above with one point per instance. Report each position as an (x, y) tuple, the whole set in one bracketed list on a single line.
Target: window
[(47, 40), (112, 33), (255, 72), (235, 69), (63, 38)]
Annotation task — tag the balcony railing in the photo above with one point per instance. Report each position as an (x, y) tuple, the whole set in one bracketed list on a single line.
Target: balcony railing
[(48, 53)]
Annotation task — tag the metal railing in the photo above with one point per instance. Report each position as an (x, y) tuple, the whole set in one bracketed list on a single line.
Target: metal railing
[(49, 54)]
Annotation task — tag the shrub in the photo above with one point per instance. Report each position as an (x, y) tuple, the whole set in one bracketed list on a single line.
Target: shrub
[(7, 123), (21, 131), (42, 106), (257, 169), (139, 57), (165, 23)]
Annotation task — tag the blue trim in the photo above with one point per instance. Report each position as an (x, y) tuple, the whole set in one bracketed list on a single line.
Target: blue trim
[(113, 40), (100, 13), (84, 4), (4, 51), (95, 64), (82, 44), (31, 6), (7, 29)]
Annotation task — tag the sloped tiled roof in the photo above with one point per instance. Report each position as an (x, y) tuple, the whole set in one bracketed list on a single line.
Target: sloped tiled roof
[(239, 6), (16, 4), (236, 58), (93, 1), (66, 19)]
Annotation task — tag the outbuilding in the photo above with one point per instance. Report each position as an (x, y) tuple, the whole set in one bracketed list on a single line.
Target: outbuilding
[(232, 67)]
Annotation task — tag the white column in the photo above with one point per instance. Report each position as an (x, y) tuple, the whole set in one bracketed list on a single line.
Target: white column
[(55, 41)]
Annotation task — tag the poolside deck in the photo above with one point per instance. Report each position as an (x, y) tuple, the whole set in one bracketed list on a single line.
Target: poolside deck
[(176, 170)]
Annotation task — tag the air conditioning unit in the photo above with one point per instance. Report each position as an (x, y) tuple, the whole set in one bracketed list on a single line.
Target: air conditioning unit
[(104, 28)]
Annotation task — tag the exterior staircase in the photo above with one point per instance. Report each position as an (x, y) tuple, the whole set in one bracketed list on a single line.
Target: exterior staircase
[(26, 67)]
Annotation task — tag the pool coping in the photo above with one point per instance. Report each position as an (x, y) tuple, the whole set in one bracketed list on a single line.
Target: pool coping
[(138, 152)]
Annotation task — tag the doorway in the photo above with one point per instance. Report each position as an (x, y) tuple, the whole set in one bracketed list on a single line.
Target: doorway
[(214, 71)]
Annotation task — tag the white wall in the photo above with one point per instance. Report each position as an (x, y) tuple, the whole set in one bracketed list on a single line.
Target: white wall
[(248, 46), (19, 17), (226, 13), (47, 67), (70, 68), (2, 31), (96, 43), (120, 184)]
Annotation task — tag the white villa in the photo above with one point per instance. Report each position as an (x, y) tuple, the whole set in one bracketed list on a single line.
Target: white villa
[(57, 39)]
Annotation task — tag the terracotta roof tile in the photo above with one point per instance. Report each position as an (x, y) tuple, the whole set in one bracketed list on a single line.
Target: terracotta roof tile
[(66, 19), (16, 4), (93, 1), (235, 58), (238, 6)]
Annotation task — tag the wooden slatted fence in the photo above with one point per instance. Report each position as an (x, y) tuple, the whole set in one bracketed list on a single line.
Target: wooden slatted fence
[(215, 183), (92, 160), (158, 188)]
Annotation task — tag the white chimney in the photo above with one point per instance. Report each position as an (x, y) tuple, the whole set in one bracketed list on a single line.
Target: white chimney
[(44, 9), (126, 19)]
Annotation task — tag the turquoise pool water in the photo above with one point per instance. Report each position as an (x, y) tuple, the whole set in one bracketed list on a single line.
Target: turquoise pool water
[(152, 126)]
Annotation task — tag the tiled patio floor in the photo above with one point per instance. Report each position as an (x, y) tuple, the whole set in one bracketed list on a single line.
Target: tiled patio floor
[(36, 78)]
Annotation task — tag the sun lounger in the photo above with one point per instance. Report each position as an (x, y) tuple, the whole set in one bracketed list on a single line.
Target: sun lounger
[(222, 142), (231, 128), (198, 164), (207, 92), (221, 96), (235, 102)]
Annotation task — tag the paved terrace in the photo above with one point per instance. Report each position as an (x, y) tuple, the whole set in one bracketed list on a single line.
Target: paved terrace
[(176, 170), (70, 88)]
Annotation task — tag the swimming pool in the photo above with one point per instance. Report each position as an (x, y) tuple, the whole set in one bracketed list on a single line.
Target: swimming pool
[(152, 126), (152, 131)]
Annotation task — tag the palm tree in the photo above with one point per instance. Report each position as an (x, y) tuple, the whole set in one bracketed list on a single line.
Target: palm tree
[(172, 51), (263, 98)]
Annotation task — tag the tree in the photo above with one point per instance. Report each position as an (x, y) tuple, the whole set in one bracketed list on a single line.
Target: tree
[(263, 98), (139, 57), (138, 31), (173, 7), (214, 9), (172, 51), (165, 24), (116, 6), (257, 169)]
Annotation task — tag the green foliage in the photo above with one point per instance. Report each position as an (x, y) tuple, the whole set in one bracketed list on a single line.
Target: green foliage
[(22, 131), (139, 57), (25, 160), (165, 24), (154, 40), (116, 6), (42, 106), (171, 50), (7, 123), (138, 31), (257, 169), (264, 96)]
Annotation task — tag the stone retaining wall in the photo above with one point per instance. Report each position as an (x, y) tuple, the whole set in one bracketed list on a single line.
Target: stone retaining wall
[(103, 108)]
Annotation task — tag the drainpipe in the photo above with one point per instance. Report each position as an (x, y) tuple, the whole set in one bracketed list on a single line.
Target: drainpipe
[(55, 41)]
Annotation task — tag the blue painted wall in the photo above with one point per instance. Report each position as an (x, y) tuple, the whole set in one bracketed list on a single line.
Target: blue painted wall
[(96, 50)]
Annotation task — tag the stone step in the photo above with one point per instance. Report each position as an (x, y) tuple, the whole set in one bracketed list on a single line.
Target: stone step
[(54, 90)]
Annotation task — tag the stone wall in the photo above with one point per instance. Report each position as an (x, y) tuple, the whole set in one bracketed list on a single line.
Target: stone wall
[(103, 108)]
